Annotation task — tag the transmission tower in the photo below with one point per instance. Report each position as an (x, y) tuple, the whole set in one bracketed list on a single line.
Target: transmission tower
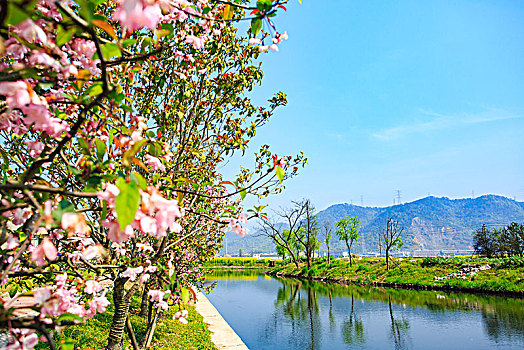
[(399, 195)]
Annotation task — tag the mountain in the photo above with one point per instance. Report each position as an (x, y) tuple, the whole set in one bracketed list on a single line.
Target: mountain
[(429, 223)]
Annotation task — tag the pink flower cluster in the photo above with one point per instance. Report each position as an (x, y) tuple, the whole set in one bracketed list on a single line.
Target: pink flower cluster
[(154, 217), (57, 300), (274, 42), (157, 297), (20, 96), (235, 227)]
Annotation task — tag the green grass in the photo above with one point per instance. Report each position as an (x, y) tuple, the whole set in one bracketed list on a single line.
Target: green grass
[(237, 262), (169, 334), (506, 274)]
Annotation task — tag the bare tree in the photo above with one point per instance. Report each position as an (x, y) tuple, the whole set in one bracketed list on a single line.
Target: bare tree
[(308, 237), (391, 237), (285, 237)]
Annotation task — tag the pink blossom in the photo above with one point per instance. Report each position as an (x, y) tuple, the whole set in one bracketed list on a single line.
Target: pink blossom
[(31, 32), (92, 286), (263, 48), (183, 320), (135, 14), (93, 251), (132, 273), (77, 309), (144, 278), (99, 304), (274, 47), (156, 295), (198, 43), (30, 341), (75, 223), (148, 225), (242, 217), (42, 295), (109, 192), (16, 92), (254, 41), (61, 280), (12, 243), (115, 234), (46, 249), (35, 148), (154, 163)]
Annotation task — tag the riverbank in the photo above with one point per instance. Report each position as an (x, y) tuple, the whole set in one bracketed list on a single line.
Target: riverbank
[(481, 275), (169, 335)]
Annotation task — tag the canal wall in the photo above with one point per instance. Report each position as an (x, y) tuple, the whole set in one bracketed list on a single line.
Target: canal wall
[(222, 335)]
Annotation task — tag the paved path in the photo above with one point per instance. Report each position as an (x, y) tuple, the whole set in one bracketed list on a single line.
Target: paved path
[(222, 335)]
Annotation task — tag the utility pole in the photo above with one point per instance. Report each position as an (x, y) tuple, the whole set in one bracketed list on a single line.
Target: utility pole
[(399, 195)]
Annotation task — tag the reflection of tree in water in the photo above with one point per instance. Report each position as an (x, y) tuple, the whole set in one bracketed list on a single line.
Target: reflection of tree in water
[(303, 313), (504, 320), (399, 330), (353, 328)]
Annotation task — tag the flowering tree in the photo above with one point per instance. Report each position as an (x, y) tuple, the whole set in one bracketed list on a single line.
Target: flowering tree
[(115, 117)]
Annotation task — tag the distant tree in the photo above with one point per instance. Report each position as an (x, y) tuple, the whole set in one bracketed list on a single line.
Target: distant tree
[(281, 251), (485, 242), (328, 234), (308, 237), (511, 239), (390, 238), (347, 231), (285, 238)]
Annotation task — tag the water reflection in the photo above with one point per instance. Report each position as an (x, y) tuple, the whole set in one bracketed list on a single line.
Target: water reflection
[(286, 313)]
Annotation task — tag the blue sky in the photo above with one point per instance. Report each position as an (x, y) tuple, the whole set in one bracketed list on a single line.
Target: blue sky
[(418, 96)]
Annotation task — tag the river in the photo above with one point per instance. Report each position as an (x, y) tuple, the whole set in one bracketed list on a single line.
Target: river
[(282, 313)]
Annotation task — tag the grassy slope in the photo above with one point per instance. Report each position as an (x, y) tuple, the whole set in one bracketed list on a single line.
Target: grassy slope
[(408, 271), (169, 334)]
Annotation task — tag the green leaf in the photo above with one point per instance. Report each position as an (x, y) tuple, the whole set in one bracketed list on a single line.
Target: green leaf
[(95, 89), (264, 5), (15, 15), (69, 317), (280, 173), (67, 344), (185, 295), (100, 149), (85, 147), (103, 216), (127, 201), (63, 207), (128, 42), (256, 25), (140, 181), (243, 194), (64, 35), (110, 50)]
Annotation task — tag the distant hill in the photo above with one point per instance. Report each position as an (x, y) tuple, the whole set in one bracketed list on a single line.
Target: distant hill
[(429, 223)]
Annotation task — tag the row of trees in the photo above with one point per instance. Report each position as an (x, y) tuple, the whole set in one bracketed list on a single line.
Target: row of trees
[(506, 241), (296, 230), (115, 118)]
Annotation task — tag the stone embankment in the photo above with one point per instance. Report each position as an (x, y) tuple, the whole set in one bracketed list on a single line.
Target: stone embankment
[(222, 335)]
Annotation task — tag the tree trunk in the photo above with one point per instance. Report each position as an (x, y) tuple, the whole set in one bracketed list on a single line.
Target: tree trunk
[(387, 259), (143, 304), (329, 259), (116, 332), (349, 252)]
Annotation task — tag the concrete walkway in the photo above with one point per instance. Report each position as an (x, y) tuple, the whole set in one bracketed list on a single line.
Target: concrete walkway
[(222, 335)]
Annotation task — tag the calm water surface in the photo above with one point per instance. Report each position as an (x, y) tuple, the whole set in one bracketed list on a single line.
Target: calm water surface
[(275, 313)]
